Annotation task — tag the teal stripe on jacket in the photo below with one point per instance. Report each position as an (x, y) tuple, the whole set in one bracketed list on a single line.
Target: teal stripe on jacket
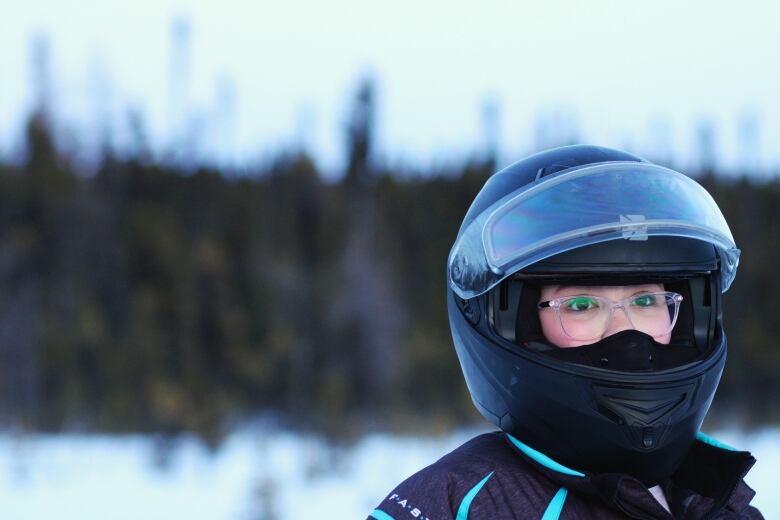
[(463, 510), (553, 511), (378, 514)]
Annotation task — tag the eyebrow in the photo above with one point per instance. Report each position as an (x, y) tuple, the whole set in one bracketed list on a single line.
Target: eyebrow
[(648, 290), (562, 288), (585, 289)]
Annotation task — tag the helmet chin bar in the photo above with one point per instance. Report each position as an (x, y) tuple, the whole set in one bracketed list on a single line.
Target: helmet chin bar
[(628, 416), (592, 419)]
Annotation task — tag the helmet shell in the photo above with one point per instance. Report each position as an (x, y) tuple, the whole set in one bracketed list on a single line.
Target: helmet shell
[(587, 417)]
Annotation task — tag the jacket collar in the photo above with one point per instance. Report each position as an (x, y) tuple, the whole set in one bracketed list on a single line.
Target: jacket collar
[(709, 479)]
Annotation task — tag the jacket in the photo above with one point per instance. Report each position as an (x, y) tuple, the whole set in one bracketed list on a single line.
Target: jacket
[(496, 476)]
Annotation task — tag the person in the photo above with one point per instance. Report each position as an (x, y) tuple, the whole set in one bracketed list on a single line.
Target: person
[(584, 299)]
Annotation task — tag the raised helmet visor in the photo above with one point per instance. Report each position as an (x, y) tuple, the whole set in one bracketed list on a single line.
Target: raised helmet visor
[(580, 207)]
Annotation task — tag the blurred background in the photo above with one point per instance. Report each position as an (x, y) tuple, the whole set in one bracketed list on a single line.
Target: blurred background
[(224, 225)]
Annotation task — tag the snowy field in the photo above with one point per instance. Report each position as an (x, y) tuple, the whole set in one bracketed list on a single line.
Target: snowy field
[(256, 474)]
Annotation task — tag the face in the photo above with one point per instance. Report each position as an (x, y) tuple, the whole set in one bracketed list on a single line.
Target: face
[(551, 326)]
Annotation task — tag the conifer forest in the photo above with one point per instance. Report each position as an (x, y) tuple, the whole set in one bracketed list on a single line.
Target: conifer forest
[(142, 296)]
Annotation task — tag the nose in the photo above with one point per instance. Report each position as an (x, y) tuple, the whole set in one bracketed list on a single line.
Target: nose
[(619, 322)]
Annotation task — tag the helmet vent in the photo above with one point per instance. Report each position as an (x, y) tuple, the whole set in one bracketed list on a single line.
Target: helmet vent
[(641, 406)]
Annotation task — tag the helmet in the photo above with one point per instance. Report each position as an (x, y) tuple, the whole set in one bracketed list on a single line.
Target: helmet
[(587, 215)]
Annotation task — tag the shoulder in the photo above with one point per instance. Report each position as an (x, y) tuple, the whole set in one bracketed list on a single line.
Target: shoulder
[(481, 478)]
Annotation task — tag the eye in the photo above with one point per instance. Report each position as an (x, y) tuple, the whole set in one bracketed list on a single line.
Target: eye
[(580, 304), (644, 300)]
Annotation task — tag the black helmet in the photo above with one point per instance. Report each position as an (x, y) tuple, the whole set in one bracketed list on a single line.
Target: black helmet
[(586, 215)]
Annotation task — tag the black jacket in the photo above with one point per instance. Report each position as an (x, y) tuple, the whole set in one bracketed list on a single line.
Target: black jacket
[(495, 476)]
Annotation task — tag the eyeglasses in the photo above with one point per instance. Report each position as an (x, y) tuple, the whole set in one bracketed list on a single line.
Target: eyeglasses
[(586, 317)]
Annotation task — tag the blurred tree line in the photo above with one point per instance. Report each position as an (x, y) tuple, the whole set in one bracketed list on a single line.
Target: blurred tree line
[(148, 298)]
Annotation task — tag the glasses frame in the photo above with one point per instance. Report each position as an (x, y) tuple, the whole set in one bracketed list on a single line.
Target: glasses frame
[(556, 303)]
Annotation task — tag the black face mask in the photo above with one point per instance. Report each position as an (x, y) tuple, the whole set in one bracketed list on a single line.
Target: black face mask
[(628, 350)]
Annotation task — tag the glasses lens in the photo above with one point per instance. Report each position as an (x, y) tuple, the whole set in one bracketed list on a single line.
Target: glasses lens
[(654, 313), (584, 317)]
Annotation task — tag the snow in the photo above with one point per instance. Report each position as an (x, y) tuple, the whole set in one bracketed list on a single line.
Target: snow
[(255, 474)]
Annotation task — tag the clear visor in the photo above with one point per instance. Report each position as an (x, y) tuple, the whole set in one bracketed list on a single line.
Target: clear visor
[(609, 201)]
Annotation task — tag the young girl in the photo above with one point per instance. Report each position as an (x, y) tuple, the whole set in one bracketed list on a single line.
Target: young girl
[(584, 297)]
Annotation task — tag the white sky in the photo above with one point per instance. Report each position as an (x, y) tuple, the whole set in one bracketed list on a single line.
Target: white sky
[(628, 71)]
